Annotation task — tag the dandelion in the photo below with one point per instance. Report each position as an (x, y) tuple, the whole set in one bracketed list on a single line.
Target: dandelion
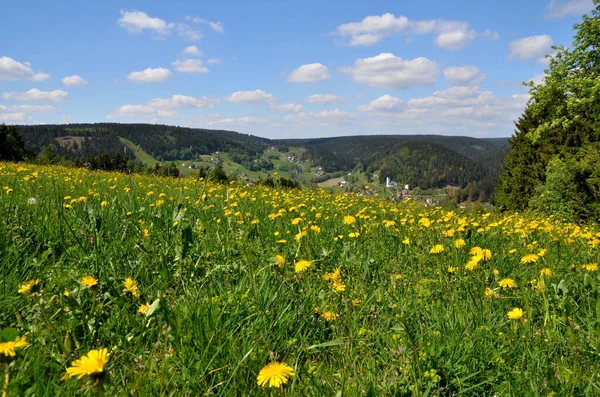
[(437, 249), (354, 234), (591, 267), (349, 220), (472, 265), (28, 286), (489, 293), (143, 309), (486, 254), (512, 251), (507, 283), (296, 221), (91, 364), (301, 265), (145, 234), (8, 349), (131, 286), (89, 281), (335, 275), (452, 269), (545, 272), (426, 222), (104, 204), (275, 374), (279, 261), (338, 286), (529, 258), (459, 243), (406, 241), (475, 251), (515, 313), (330, 316), (31, 201)]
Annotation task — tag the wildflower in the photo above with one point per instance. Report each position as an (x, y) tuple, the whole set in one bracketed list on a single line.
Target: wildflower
[(355, 302), (281, 241), (28, 286), (296, 221), (437, 249), (335, 275), (542, 252), (279, 261), (330, 316), (545, 272), (472, 265), (591, 267), (349, 220), (89, 281), (507, 283), (486, 254), (426, 222), (275, 374), (354, 234), (91, 364), (8, 349), (398, 276), (338, 286), (143, 309), (315, 229), (459, 243), (490, 292), (452, 269), (406, 241), (515, 313), (104, 204), (301, 265), (131, 286), (496, 272), (31, 201), (512, 251), (529, 258), (475, 251), (145, 234)]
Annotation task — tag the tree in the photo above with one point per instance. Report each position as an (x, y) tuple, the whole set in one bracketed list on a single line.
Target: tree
[(12, 147), (558, 132)]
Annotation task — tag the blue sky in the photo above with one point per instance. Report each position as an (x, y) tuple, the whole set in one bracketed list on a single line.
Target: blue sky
[(280, 69)]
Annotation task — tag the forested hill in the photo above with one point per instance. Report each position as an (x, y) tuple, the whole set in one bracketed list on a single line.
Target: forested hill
[(163, 142)]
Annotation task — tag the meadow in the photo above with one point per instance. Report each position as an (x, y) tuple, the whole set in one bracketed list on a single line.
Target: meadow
[(144, 286)]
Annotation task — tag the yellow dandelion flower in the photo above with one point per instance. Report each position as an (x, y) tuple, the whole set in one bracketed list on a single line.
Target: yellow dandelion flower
[(490, 292), (104, 204), (274, 374), (406, 241), (472, 265), (426, 222), (545, 272), (143, 309), (301, 265), (452, 269), (591, 267), (338, 286), (131, 286), (281, 241), (145, 234), (475, 251), (8, 349), (437, 249), (459, 243), (315, 229), (507, 283), (354, 234), (89, 281), (279, 261), (355, 302), (296, 221), (529, 258), (398, 276), (515, 313), (542, 252), (512, 251), (349, 220), (486, 254), (330, 316), (28, 286), (91, 364), (496, 272)]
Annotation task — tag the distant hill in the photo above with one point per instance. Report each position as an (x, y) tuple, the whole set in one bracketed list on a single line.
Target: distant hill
[(426, 161)]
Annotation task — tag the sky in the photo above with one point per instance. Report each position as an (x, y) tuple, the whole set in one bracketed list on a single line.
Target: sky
[(278, 68)]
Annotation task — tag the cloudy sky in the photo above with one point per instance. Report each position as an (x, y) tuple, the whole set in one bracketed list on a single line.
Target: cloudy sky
[(279, 68)]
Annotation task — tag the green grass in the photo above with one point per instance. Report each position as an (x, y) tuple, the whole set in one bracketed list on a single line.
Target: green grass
[(140, 154), (402, 321)]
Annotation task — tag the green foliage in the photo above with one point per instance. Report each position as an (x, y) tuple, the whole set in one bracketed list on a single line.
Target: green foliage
[(12, 147), (559, 127)]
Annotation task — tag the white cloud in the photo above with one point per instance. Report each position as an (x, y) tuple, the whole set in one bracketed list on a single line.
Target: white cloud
[(286, 107), (73, 81), (385, 103), (389, 71), (529, 47), (246, 120), (322, 116), (324, 98), (251, 97), (216, 26), (36, 95), (560, 9), (150, 75), (214, 61), (20, 113), (190, 66), (14, 70), (491, 35), (140, 111), (464, 75), (182, 101), (192, 50), (187, 32), (451, 35), (309, 73), (138, 21)]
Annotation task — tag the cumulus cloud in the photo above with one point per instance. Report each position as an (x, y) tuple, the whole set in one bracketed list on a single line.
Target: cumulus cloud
[(250, 97), (138, 21), (451, 35), (216, 26), (214, 61), (324, 98), (464, 75), (150, 75), (286, 107), (192, 50), (389, 71), (190, 66), (309, 73), (73, 81), (182, 101), (529, 47), (385, 103), (557, 9), (21, 113), (14, 70), (141, 111), (34, 95), (322, 116)]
